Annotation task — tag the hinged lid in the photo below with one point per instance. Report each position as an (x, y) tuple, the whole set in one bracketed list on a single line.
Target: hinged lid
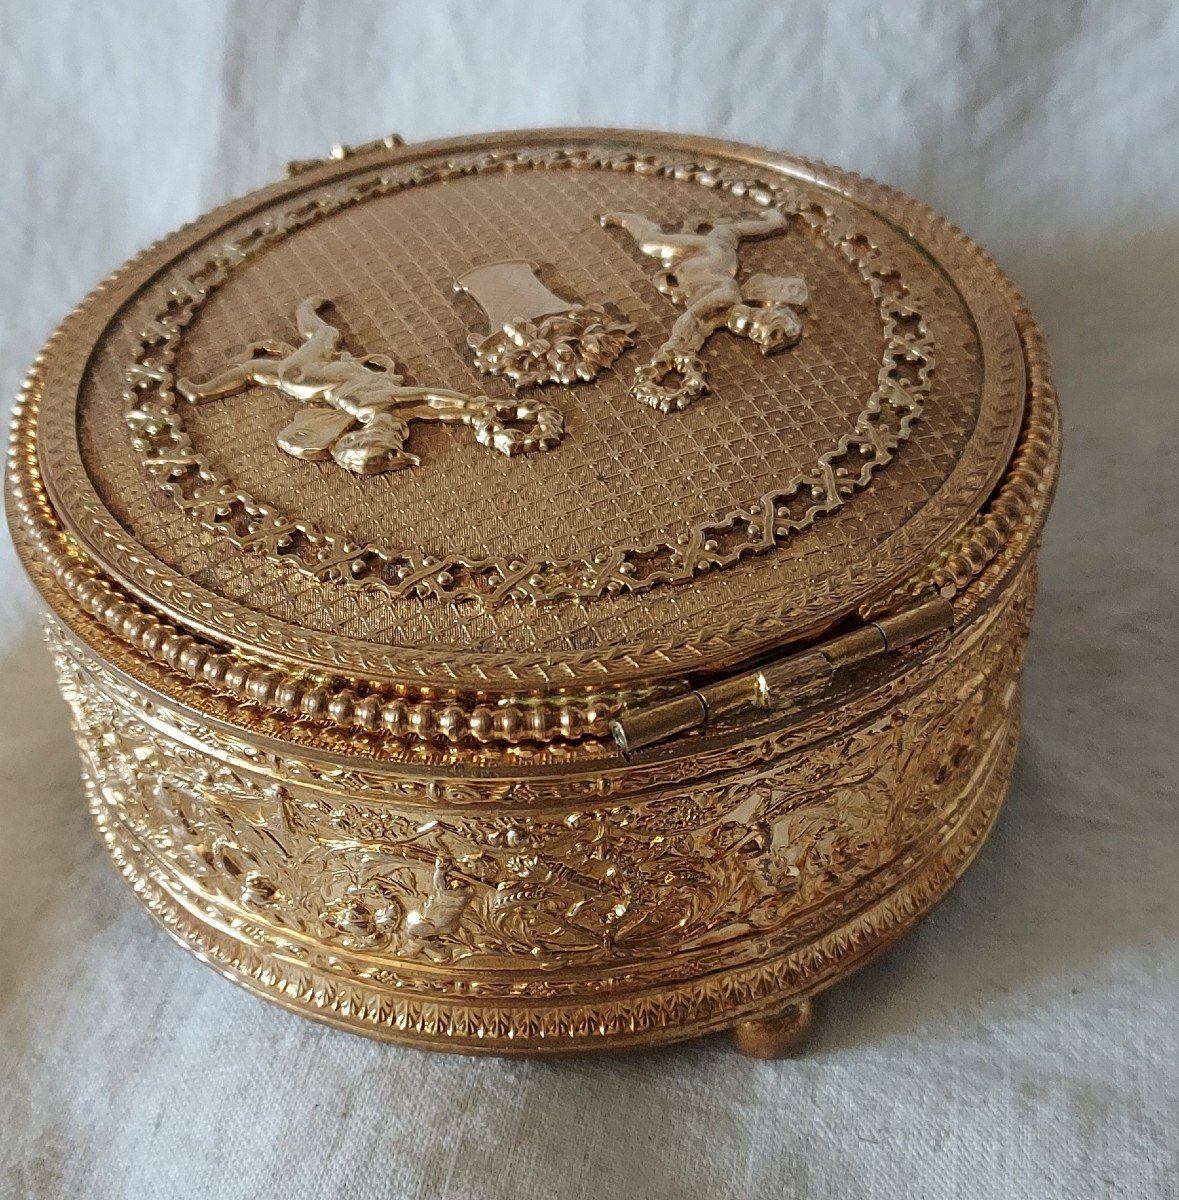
[(563, 412)]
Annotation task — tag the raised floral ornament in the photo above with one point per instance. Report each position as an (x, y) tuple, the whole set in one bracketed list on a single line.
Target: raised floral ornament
[(536, 336)]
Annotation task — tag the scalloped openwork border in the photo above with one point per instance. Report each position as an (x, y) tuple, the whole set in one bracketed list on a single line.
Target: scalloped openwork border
[(216, 502), (66, 542)]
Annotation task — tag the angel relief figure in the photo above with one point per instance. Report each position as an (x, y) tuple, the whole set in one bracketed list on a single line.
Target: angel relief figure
[(699, 266), (357, 411)]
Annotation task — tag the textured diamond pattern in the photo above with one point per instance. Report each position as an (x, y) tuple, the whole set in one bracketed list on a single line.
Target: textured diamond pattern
[(625, 474)]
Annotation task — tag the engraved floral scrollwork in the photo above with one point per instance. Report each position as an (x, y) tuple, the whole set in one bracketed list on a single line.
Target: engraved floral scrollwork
[(645, 917), (613, 881)]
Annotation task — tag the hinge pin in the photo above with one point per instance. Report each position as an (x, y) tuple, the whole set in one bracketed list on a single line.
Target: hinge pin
[(776, 683), (339, 153)]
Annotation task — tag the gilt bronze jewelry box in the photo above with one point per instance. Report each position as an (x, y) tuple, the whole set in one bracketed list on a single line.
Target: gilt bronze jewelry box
[(553, 591)]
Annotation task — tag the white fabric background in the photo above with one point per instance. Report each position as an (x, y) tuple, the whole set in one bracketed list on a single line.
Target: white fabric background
[(1023, 1042)]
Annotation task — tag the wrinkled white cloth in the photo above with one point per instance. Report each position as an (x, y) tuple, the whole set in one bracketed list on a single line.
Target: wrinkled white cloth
[(1023, 1042)]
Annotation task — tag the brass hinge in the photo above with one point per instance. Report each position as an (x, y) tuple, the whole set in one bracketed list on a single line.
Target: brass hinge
[(340, 152), (776, 683)]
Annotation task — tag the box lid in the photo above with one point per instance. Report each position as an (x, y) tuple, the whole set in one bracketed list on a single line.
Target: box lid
[(550, 417)]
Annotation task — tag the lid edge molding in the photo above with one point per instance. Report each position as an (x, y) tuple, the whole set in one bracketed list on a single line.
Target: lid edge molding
[(531, 708)]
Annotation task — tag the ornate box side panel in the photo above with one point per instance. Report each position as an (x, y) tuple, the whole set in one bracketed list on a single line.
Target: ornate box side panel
[(433, 912)]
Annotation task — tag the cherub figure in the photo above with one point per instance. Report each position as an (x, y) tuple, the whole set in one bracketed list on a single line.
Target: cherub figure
[(699, 271), (357, 410)]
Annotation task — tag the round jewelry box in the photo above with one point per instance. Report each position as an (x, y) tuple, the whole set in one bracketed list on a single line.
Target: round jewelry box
[(552, 591)]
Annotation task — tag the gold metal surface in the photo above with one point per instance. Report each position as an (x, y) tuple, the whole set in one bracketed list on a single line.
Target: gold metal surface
[(347, 732), (776, 1034), (775, 684), (699, 273), (646, 545), (340, 152), (357, 410), (536, 337), (536, 911)]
